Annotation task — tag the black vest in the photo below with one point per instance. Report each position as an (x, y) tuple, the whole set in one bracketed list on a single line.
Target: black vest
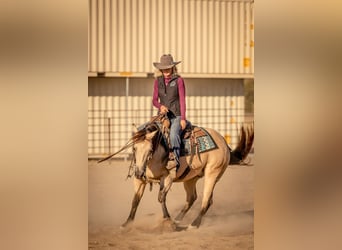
[(168, 95)]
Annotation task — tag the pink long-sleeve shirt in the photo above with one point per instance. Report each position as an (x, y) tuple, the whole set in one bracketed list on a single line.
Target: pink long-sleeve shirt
[(181, 93)]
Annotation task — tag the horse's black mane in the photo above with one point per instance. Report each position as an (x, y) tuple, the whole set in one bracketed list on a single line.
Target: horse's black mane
[(159, 138), (139, 136)]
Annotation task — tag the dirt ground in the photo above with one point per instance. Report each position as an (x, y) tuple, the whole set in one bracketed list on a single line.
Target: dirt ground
[(228, 223)]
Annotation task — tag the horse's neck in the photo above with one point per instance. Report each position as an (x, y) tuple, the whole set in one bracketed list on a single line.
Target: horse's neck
[(160, 153)]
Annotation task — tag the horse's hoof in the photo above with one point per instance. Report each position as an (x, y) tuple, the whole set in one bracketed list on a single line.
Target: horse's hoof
[(168, 225), (181, 228), (126, 225), (191, 227), (125, 228)]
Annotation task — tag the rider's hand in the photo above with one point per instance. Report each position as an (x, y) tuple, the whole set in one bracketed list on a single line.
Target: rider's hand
[(163, 109), (183, 124)]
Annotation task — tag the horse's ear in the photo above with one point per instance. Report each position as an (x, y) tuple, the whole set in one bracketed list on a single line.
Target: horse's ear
[(149, 136), (135, 129)]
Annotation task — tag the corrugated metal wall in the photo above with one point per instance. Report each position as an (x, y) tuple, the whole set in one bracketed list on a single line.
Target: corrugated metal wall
[(212, 38), (111, 112), (211, 103)]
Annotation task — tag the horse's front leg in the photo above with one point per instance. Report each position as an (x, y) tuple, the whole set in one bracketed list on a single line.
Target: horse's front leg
[(165, 185), (139, 188)]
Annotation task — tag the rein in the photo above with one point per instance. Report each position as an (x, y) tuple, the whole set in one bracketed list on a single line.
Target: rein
[(156, 141), (128, 144), (130, 141)]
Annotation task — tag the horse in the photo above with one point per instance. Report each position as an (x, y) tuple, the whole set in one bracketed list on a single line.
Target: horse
[(150, 156)]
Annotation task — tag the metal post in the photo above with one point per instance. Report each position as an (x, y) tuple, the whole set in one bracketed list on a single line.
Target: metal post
[(127, 93), (109, 117), (109, 137)]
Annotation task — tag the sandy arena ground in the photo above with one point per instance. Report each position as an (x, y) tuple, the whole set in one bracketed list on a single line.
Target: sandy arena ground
[(228, 223)]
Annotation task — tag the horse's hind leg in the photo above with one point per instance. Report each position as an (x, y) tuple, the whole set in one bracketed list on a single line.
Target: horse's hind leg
[(207, 201), (139, 188), (191, 196)]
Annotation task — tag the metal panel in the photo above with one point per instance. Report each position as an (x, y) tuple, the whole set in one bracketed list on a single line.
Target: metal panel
[(211, 37)]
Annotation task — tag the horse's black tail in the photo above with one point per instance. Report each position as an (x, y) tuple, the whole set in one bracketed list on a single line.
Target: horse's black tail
[(239, 154)]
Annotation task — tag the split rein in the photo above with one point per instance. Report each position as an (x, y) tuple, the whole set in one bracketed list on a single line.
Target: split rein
[(130, 143)]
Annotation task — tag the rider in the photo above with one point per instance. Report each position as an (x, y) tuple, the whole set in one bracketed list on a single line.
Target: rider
[(169, 98)]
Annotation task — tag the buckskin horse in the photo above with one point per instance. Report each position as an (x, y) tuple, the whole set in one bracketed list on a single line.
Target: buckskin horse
[(150, 156)]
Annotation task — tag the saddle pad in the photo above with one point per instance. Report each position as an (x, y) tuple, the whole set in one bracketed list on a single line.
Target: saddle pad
[(204, 141)]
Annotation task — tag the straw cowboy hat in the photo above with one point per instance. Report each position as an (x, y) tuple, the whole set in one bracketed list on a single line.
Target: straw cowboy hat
[(166, 62)]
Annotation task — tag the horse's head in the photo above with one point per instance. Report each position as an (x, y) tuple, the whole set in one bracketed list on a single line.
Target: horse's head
[(143, 151)]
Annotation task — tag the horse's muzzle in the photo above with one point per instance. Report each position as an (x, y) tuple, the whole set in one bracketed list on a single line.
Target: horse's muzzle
[(139, 174)]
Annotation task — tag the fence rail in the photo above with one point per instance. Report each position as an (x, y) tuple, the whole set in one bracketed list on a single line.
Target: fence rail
[(110, 129)]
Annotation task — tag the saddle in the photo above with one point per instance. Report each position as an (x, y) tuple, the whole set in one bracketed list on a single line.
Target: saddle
[(194, 139), (164, 122)]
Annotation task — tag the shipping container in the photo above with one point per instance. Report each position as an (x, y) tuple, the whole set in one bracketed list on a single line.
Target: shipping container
[(212, 38)]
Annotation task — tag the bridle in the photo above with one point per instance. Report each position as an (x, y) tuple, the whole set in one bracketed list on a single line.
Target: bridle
[(156, 141), (133, 163), (155, 144)]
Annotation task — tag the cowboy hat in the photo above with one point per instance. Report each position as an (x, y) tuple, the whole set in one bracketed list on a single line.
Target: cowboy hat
[(166, 62)]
